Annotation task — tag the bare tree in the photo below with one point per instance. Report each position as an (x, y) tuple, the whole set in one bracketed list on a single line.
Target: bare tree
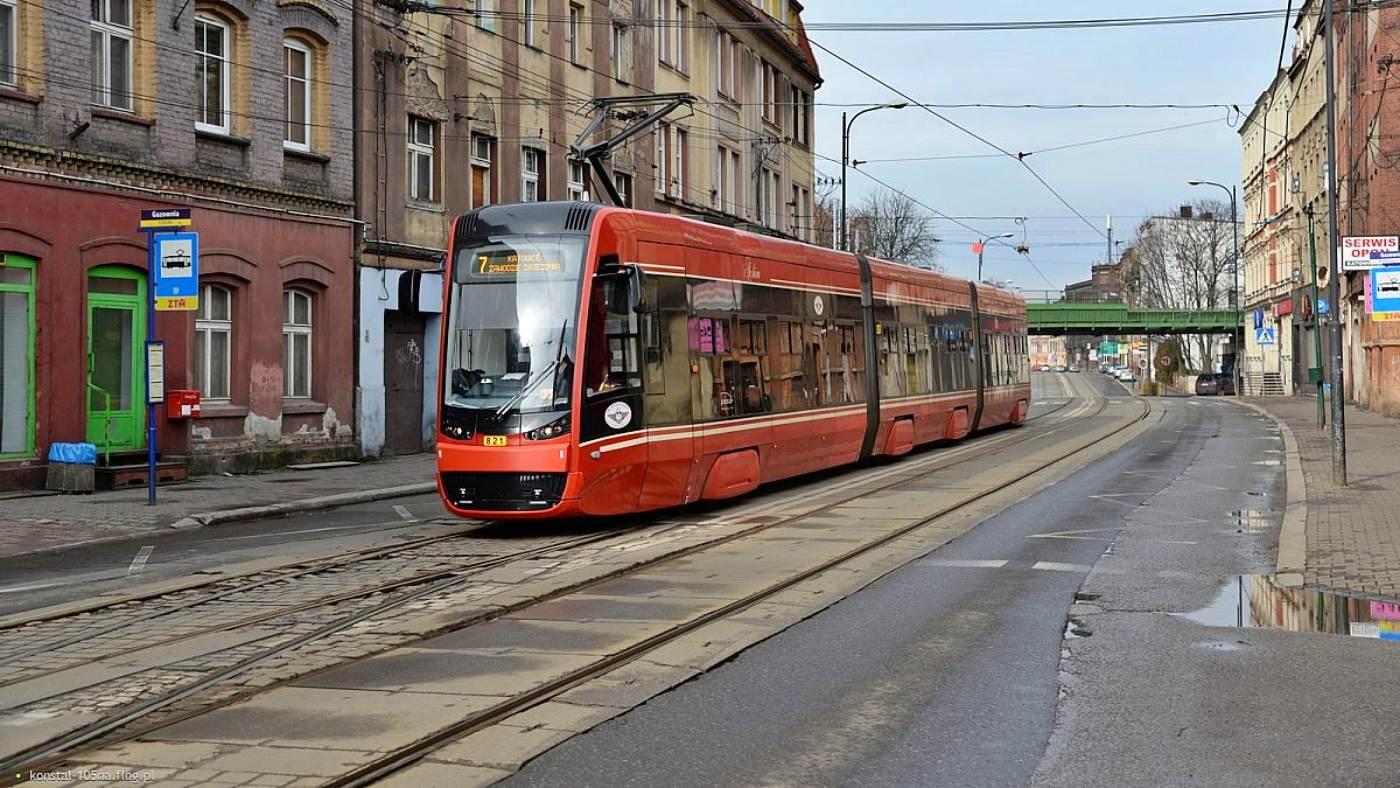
[(891, 226), (824, 221), (1185, 261)]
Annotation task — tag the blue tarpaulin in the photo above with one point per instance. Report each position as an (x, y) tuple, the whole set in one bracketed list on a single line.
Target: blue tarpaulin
[(73, 453)]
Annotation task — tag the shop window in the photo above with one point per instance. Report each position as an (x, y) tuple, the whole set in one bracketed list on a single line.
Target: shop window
[(213, 332), (296, 343)]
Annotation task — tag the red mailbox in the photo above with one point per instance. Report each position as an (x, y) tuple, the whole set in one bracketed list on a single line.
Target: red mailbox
[(182, 403)]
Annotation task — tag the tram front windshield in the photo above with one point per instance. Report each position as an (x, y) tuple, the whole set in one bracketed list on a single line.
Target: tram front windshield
[(512, 319)]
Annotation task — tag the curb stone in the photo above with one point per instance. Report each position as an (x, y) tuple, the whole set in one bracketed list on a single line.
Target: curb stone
[(1293, 533), (206, 519)]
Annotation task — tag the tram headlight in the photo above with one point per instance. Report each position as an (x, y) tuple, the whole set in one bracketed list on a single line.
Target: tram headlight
[(553, 429)]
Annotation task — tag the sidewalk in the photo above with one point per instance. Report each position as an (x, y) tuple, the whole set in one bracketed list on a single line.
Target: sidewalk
[(39, 522), (1353, 532)]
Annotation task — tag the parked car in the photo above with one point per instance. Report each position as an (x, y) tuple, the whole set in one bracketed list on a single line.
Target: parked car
[(1043, 368), (1207, 385), (1059, 367), (1125, 375), (1074, 368)]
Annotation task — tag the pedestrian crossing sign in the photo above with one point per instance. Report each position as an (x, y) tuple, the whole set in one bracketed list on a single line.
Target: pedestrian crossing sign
[(1264, 336)]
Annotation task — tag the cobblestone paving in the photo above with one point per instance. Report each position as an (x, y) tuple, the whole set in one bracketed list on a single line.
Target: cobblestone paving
[(1353, 531), (41, 522)]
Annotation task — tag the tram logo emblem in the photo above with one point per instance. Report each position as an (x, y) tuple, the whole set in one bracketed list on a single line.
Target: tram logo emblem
[(818, 306), (618, 415), (751, 271)]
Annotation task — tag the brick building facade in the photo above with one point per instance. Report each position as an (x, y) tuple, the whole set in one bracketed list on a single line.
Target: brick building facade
[(239, 110)]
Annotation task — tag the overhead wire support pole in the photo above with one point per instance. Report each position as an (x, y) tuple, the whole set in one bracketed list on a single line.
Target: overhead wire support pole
[(1336, 380)]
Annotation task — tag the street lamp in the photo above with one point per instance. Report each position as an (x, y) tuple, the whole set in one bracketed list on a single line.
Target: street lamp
[(846, 156), (1235, 277), (982, 244)]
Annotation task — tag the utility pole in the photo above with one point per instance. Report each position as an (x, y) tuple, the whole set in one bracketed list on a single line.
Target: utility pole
[(1334, 287), (1108, 257)]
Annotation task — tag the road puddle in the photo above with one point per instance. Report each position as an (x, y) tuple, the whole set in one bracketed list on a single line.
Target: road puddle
[(1251, 521), (1260, 602)]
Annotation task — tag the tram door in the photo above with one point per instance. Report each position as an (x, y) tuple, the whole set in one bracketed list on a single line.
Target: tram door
[(666, 379)]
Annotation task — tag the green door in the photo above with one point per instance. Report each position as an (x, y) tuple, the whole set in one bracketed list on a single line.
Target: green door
[(116, 331)]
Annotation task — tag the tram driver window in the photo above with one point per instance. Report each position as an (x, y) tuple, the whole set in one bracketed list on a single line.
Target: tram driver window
[(611, 354)]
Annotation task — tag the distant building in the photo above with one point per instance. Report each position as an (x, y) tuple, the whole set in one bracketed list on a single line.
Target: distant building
[(1107, 282)]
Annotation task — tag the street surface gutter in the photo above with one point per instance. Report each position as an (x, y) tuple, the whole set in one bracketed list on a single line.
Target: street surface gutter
[(206, 519), (1293, 534)]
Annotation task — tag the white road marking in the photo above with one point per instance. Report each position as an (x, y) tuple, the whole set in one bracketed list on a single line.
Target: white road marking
[(970, 563), (33, 586), (403, 512), (139, 562), (1076, 534), (1052, 566)]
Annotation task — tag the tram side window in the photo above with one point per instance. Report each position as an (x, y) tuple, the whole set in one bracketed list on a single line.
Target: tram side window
[(845, 355), (711, 339), (788, 390), (752, 348), (664, 346)]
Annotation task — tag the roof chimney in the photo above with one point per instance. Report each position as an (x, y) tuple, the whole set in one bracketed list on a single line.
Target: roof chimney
[(1186, 212)]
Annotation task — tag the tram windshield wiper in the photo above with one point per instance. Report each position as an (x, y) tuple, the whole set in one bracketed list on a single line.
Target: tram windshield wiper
[(535, 380)]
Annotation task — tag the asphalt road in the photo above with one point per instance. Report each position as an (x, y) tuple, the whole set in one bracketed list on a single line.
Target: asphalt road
[(960, 669)]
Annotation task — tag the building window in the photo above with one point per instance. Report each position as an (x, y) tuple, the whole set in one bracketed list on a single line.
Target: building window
[(213, 328), (483, 155), (678, 169), (211, 73), (578, 180), (532, 175), (298, 99), (16, 356), (619, 52), (720, 198), (527, 18), (422, 137), (682, 47), (736, 180), (723, 75), (111, 33), (575, 31), (623, 182), (662, 162), (664, 34), (9, 43), (296, 343), (485, 14)]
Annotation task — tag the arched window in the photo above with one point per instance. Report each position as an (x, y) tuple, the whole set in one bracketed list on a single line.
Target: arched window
[(298, 66), (212, 41), (213, 335), (296, 343)]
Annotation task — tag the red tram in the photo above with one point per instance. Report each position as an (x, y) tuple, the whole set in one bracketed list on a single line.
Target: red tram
[(600, 361)]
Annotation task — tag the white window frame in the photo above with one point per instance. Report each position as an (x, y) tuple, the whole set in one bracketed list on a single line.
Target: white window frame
[(417, 150), (226, 32), (619, 52), (9, 72), (486, 15), (204, 327), (680, 152), (722, 177), (663, 31), (625, 187), (290, 329), (527, 19), (305, 79), (530, 176), (681, 55), (662, 159), (483, 163), (575, 31), (578, 180), (736, 181), (103, 91)]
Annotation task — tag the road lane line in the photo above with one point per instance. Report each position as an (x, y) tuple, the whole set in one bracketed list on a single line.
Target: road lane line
[(403, 511), (968, 563)]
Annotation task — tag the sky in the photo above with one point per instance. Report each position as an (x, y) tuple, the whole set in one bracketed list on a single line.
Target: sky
[(1213, 63)]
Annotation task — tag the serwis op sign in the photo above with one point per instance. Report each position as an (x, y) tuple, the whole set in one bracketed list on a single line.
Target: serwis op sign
[(1357, 251)]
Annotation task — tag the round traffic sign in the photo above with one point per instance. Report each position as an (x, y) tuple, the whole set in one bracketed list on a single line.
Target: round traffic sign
[(1164, 361), (1142, 363)]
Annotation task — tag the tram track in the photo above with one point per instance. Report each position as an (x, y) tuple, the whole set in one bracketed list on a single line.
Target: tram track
[(396, 761), (126, 723)]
